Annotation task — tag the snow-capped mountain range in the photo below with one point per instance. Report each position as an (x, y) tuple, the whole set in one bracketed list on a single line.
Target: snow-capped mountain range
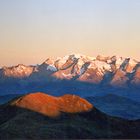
[(111, 70)]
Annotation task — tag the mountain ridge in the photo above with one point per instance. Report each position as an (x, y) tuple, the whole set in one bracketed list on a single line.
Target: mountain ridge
[(122, 71)]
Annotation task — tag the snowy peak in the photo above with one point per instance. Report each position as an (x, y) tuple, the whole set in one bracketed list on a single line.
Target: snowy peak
[(49, 61), (116, 70), (18, 71)]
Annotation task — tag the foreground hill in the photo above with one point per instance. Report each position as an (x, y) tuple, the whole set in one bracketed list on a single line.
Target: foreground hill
[(41, 116), (52, 106), (117, 106)]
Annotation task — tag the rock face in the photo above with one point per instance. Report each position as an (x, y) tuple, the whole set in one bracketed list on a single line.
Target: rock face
[(53, 106), (120, 71)]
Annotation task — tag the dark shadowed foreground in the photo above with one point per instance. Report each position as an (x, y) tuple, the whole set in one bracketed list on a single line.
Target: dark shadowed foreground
[(41, 116)]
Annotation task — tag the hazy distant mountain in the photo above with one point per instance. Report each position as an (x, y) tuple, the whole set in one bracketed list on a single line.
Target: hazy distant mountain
[(19, 71), (41, 116), (6, 98), (117, 106), (112, 70)]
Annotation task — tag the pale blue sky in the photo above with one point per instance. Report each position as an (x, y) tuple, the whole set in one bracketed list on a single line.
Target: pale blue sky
[(32, 30)]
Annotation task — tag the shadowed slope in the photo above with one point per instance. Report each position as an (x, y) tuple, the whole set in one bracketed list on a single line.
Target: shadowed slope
[(117, 106), (52, 106)]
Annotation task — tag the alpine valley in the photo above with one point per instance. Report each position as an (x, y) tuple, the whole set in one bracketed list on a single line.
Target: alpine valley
[(76, 96)]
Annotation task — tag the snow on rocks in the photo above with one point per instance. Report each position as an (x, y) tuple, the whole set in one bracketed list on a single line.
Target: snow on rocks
[(52, 68)]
